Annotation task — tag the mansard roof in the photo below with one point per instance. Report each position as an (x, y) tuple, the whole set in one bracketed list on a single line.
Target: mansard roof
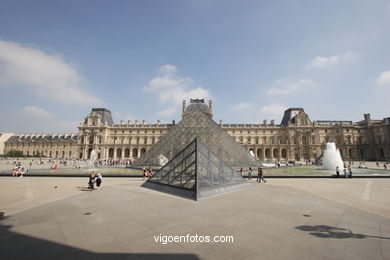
[(289, 114), (43, 137), (105, 114)]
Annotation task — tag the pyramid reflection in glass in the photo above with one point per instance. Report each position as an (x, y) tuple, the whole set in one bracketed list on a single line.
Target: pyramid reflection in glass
[(196, 172)]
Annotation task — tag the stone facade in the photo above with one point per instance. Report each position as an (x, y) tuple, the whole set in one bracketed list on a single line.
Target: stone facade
[(48, 145), (296, 138)]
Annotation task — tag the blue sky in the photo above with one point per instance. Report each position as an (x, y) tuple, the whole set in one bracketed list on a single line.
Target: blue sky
[(58, 59)]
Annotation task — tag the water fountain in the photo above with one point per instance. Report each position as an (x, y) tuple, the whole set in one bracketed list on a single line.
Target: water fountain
[(92, 159), (332, 158)]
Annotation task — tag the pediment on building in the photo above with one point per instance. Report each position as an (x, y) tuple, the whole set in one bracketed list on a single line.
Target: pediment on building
[(301, 119)]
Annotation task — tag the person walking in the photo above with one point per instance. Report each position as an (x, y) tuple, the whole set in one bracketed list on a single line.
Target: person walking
[(150, 173), (349, 171), (260, 175), (242, 172), (337, 171), (145, 175), (250, 173)]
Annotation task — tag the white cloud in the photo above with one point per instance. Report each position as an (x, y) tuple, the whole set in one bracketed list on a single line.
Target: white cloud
[(46, 75), (167, 112), (285, 87), (323, 62), (241, 107), (272, 111), (384, 78), (36, 112), (172, 89), (122, 116), (168, 69)]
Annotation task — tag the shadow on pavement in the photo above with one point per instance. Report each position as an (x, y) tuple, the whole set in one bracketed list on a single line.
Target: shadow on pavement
[(324, 231), (18, 246)]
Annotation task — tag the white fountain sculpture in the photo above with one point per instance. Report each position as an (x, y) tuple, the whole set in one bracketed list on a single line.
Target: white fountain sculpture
[(332, 158), (92, 159)]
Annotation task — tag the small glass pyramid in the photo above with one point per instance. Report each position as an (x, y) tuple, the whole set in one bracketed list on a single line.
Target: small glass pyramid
[(196, 172)]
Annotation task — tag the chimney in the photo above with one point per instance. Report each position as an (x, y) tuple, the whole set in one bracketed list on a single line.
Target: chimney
[(128, 122), (273, 122), (136, 122), (143, 122), (220, 122), (158, 122), (265, 122), (211, 106), (184, 106)]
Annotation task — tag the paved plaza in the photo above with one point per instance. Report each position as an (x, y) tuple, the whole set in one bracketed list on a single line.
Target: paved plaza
[(57, 218)]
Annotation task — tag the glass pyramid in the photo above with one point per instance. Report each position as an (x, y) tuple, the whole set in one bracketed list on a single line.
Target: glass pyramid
[(197, 122), (196, 172)]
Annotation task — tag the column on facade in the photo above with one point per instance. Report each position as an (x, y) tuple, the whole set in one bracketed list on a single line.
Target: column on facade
[(115, 150), (85, 152)]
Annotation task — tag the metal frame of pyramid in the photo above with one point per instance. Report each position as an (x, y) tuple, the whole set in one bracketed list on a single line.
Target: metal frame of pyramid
[(196, 172), (197, 122)]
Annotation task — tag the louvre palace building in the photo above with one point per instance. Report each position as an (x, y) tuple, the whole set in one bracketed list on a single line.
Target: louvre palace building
[(295, 138)]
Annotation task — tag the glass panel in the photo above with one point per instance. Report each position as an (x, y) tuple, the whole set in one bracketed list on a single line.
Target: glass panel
[(213, 172)]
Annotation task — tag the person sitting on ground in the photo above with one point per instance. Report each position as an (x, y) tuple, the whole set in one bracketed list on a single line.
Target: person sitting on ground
[(14, 171), (99, 180), (92, 181), (21, 172)]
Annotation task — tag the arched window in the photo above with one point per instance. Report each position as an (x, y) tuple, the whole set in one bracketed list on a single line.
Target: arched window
[(284, 154), (275, 154), (267, 154), (135, 153), (260, 154), (111, 153), (119, 153)]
